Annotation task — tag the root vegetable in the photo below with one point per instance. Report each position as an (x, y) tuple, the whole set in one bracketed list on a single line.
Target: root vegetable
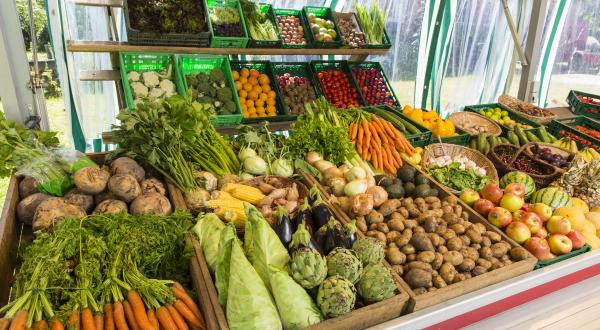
[(374, 217), (421, 242), (152, 203), (111, 206), (126, 165), (209, 180), (362, 204), (27, 206), (124, 187), (426, 256), (27, 187), (518, 253), (81, 199), (345, 203), (105, 195), (52, 210), (337, 186), (379, 195), (91, 180), (418, 278), (153, 185)]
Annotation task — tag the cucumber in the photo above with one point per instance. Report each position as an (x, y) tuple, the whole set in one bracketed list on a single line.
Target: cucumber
[(532, 137), (513, 138), (392, 119), (410, 127), (473, 143), (480, 141), (522, 137)]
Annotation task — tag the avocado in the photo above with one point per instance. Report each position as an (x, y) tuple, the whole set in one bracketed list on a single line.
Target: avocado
[(421, 190), (409, 187), (384, 180), (395, 191), (397, 181), (406, 173), (433, 192), (421, 179)]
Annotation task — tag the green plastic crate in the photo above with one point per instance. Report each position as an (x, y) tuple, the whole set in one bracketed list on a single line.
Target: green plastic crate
[(194, 63), (540, 264), (134, 61), (416, 140), (301, 69), (376, 66), (227, 42), (137, 37), (253, 43), (385, 43), (564, 127), (512, 114), (306, 29), (263, 67), (327, 14), (582, 108), (319, 65)]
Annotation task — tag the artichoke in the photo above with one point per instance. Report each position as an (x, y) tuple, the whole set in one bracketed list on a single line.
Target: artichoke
[(345, 263), (369, 250), (308, 267), (336, 296), (376, 283)]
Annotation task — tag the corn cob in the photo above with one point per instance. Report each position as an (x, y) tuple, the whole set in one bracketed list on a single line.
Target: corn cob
[(220, 194), (248, 194), (226, 203), (233, 215)]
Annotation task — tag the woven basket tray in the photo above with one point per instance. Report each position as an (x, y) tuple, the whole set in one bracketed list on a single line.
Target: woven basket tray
[(553, 148), (439, 149), (500, 155), (519, 106), (466, 120)]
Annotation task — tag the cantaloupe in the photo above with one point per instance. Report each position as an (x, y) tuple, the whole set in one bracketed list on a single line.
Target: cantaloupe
[(580, 204), (595, 209), (574, 214)]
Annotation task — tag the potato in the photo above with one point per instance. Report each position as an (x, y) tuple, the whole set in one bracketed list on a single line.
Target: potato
[(408, 249), (467, 265), (484, 263), (426, 256), (411, 257), (454, 244), (411, 224), (420, 265), (438, 260), (153, 185), (480, 227), (91, 180), (126, 165), (77, 197), (27, 206), (361, 224), (494, 236), (396, 216), (382, 227), (398, 269), (378, 235), (419, 229), (486, 241), (478, 270), (465, 240), (447, 272), (435, 239), (442, 249), (101, 197), (373, 226), (453, 257), (396, 224), (419, 291), (438, 282), (469, 253), (518, 253), (124, 187), (389, 206), (395, 257), (111, 206), (449, 234), (421, 242), (392, 236), (418, 278), (486, 252), (433, 288), (27, 187), (474, 235), (498, 250), (458, 228), (458, 278), (403, 212), (404, 238), (441, 228), (374, 217), (413, 211), (151, 203), (53, 210), (430, 225)]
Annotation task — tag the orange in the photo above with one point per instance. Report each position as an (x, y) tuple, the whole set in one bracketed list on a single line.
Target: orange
[(271, 102), (249, 104), (244, 107), (263, 79), (244, 72), (260, 109), (243, 80), (238, 85), (243, 94), (271, 108), (253, 115), (271, 113), (252, 110), (266, 88), (247, 87), (259, 103), (257, 89), (253, 81), (272, 94), (253, 95), (263, 96), (236, 75), (254, 73)]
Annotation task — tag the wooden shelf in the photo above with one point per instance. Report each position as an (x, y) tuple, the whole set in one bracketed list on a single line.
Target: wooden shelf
[(116, 46)]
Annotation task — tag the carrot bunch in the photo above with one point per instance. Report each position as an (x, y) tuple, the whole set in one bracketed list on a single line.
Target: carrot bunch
[(378, 141)]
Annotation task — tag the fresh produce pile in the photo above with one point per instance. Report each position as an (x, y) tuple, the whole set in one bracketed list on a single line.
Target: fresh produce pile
[(589, 131), (297, 91), (432, 120), (322, 29), (516, 137), (567, 143), (502, 117), (546, 155), (259, 24), (291, 30), (582, 179), (525, 107), (161, 16), (373, 87), (373, 21), (338, 89), (152, 85), (84, 274), (212, 89), (351, 34), (226, 22), (458, 172), (588, 154), (588, 100), (257, 99), (572, 140)]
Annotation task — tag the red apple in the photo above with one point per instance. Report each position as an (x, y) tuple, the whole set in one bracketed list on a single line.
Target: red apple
[(526, 207), (469, 196), (491, 192), (542, 233), (518, 214), (499, 217), (559, 244), (533, 222), (577, 239), (537, 246), (515, 188), (518, 231), (558, 225), (542, 210), (548, 256), (511, 202), (483, 206)]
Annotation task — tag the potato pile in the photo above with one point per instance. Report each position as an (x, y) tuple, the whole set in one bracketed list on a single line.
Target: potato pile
[(121, 187)]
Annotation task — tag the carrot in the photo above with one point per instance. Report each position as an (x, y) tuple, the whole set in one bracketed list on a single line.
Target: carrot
[(152, 318), (391, 158), (99, 321), (87, 319), (73, 321), (359, 144), (4, 324), (129, 316), (164, 317), (380, 159), (119, 316), (177, 318), (374, 159), (40, 325), (353, 132), (139, 310), (109, 323), (374, 132), (18, 322), (380, 132), (397, 157), (56, 324), (188, 315), (365, 125)]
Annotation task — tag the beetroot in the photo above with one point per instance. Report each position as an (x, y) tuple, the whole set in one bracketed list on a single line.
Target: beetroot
[(373, 87)]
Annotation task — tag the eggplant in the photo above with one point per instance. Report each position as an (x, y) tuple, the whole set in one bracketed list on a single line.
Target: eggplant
[(320, 238), (350, 234), (334, 236), (304, 215), (302, 239), (284, 226), (320, 211)]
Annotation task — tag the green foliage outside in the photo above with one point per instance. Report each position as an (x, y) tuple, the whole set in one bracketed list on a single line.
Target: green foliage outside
[(39, 19)]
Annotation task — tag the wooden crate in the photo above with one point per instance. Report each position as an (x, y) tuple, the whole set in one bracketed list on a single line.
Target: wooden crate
[(438, 296)]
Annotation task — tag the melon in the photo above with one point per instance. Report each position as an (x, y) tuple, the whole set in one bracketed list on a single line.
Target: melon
[(594, 217), (580, 204), (554, 197), (595, 209), (520, 177), (575, 215)]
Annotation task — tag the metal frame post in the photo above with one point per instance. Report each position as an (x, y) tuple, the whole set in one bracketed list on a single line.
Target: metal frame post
[(533, 49)]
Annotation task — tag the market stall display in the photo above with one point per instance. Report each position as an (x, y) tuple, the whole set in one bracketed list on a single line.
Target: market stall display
[(295, 84), (584, 131), (293, 28), (528, 110), (584, 104), (324, 33), (350, 30), (336, 83), (375, 88), (147, 76), (226, 24), (260, 21)]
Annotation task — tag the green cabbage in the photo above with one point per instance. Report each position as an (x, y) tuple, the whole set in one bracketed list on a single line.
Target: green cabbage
[(208, 230), (262, 245), (228, 239), (255, 165), (296, 308), (251, 307), (282, 167)]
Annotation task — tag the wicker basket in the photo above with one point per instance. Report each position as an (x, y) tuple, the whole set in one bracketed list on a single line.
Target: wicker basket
[(464, 120), (518, 105), (541, 180), (500, 155), (440, 149), (553, 148)]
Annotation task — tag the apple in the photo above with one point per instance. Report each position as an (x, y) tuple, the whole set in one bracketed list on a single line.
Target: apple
[(542, 210), (518, 214), (491, 192), (499, 217), (483, 206), (515, 188), (558, 225), (511, 202), (537, 246), (518, 231), (542, 233), (533, 222), (469, 196), (577, 239), (525, 207), (560, 244)]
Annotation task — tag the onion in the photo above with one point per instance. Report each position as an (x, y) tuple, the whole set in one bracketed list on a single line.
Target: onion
[(370, 181), (379, 195), (362, 204), (323, 165), (345, 203), (337, 186), (355, 187), (312, 157), (356, 172), (344, 168), (332, 172)]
